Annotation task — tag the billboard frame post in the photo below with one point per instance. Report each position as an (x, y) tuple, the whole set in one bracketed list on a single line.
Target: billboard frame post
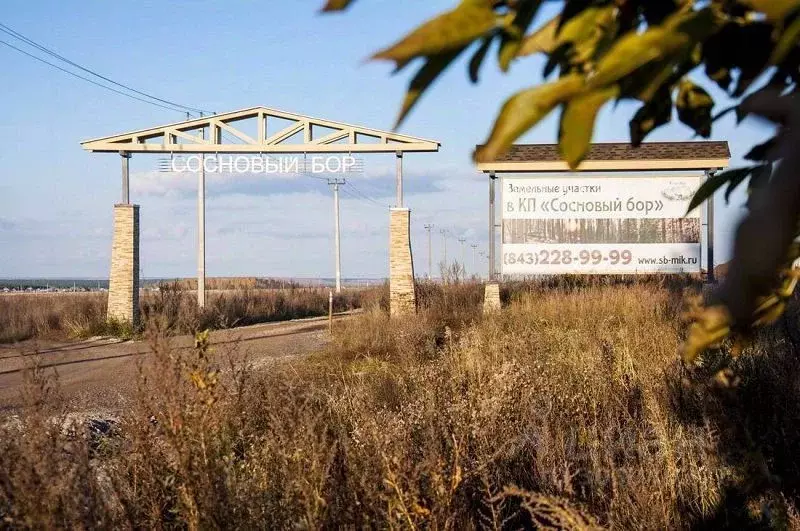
[(710, 275), (492, 227)]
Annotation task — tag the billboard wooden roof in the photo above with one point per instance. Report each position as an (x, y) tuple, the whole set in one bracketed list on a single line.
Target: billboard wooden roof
[(616, 156)]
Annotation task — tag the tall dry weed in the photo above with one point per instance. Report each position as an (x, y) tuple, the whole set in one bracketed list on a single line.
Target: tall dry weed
[(568, 409)]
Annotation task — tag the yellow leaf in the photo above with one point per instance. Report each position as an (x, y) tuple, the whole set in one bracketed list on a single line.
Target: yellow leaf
[(511, 41), (471, 20), (590, 32), (543, 40), (524, 110), (577, 123), (629, 54), (770, 314), (336, 5), (712, 325), (786, 43), (668, 42)]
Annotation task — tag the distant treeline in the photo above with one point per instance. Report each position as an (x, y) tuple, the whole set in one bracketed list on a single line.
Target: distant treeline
[(662, 230), (57, 283), (232, 283), (212, 283)]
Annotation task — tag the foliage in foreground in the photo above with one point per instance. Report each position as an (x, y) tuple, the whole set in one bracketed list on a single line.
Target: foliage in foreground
[(568, 409), (652, 52)]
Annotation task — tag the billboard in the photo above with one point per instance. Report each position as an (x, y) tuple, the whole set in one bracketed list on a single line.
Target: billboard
[(599, 225)]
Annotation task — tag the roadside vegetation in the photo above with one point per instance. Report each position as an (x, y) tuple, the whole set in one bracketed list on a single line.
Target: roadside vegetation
[(60, 316), (570, 409), (50, 315)]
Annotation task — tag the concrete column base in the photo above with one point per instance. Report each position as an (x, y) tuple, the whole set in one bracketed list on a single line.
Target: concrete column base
[(491, 297), (402, 293), (123, 286)]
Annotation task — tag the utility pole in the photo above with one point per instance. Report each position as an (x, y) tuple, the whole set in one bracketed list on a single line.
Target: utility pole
[(492, 227), (335, 183), (474, 258), (428, 227), (444, 246), (201, 228), (462, 241)]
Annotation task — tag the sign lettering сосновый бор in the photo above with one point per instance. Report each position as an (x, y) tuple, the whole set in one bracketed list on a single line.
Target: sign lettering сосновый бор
[(599, 225)]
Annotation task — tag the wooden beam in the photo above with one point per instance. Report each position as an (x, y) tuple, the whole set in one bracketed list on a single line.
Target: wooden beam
[(185, 136), (261, 114), (262, 127), (233, 131), (288, 132), (114, 147), (332, 137)]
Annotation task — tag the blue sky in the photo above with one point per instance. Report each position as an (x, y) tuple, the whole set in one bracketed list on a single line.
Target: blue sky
[(56, 200)]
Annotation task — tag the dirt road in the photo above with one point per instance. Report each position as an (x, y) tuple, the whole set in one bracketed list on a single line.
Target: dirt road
[(100, 374)]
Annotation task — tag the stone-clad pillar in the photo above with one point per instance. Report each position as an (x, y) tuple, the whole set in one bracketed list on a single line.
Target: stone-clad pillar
[(402, 296), (123, 289), (491, 297)]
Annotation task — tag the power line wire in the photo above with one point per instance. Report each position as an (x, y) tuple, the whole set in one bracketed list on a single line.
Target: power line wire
[(112, 89), (375, 190), (366, 202), (30, 42), (365, 196)]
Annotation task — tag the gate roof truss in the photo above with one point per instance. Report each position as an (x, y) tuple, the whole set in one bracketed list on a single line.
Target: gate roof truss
[(223, 133)]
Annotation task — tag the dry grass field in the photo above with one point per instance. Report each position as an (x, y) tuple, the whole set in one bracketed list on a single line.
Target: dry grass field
[(81, 315), (568, 409)]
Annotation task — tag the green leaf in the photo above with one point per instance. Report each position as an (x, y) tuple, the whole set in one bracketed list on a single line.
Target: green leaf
[(589, 33), (571, 9), (694, 106), (426, 75), (764, 151), (511, 41), (524, 110), (559, 56), (738, 45), (656, 11), (580, 41), (716, 182), (577, 123), (666, 44), (477, 59), (471, 20), (645, 82), (733, 184), (653, 114)]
